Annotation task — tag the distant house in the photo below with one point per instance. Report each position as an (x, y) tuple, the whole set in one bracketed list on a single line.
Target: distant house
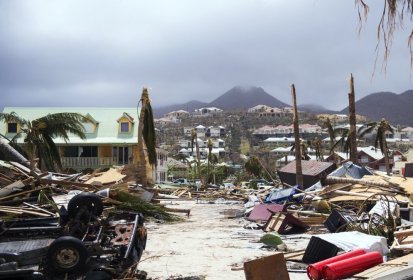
[(374, 158), (407, 133), (165, 120), (177, 114), (272, 113), (259, 109), (279, 140), (200, 131), (368, 156), (208, 111), (188, 131), (176, 169), (282, 131), (215, 132)]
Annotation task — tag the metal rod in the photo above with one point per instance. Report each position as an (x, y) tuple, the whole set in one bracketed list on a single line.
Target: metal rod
[(132, 239)]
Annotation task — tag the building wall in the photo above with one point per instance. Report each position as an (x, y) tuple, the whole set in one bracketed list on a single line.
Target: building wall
[(105, 151)]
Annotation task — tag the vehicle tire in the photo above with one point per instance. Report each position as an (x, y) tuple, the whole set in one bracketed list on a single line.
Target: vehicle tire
[(66, 254), (89, 202)]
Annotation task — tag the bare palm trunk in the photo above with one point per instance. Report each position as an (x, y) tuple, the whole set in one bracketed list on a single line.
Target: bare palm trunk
[(198, 162), (299, 169), (386, 155), (141, 176), (352, 121)]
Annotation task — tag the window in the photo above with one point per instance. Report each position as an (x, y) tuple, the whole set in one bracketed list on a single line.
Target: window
[(124, 127), (71, 151), (89, 127), (11, 127), (88, 151)]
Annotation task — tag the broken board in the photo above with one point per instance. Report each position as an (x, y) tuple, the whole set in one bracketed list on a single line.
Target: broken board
[(267, 268)]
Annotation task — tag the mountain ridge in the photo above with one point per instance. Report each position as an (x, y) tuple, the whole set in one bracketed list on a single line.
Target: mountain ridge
[(396, 108), (238, 97)]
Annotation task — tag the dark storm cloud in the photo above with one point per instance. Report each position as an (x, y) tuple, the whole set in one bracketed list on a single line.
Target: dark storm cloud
[(101, 53)]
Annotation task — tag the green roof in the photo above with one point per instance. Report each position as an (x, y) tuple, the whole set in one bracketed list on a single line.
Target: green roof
[(107, 131)]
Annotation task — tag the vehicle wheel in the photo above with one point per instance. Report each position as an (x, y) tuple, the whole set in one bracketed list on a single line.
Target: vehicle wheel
[(88, 203), (66, 254)]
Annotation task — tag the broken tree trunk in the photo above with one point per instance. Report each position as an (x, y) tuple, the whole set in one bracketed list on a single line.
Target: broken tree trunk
[(10, 154), (141, 175), (299, 170), (352, 120), (341, 180)]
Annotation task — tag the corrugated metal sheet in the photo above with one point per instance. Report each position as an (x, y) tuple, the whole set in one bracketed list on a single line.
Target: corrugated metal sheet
[(351, 170)]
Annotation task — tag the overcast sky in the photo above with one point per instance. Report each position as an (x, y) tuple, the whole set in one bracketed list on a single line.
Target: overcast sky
[(101, 53)]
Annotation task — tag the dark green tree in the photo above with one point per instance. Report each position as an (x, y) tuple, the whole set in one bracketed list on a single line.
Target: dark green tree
[(253, 166)]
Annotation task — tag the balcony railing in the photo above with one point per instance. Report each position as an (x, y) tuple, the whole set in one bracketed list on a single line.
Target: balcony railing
[(76, 162)]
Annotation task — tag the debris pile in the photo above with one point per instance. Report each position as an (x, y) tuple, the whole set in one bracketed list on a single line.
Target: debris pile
[(59, 226), (356, 221)]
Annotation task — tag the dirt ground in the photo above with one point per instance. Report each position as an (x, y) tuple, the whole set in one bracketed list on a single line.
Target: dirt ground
[(206, 245)]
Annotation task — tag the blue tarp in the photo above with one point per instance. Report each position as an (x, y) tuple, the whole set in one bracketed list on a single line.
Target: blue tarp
[(279, 196)]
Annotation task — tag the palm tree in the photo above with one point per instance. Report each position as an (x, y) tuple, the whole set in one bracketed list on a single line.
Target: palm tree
[(393, 15), (146, 137), (209, 145), (343, 141), (317, 145), (194, 138), (214, 161), (331, 134), (39, 133), (380, 140)]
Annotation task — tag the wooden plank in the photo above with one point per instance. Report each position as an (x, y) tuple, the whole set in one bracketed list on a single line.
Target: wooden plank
[(175, 210), (273, 223), (294, 256), (267, 268), (22, 193), (77, 185), (21, 210)]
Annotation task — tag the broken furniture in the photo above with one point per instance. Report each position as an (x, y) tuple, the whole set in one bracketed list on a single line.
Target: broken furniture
[(267, 268), (284, 223)]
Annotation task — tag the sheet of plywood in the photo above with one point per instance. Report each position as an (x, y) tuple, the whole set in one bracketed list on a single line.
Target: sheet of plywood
[(267, 268), (387, 268), (108, 177)]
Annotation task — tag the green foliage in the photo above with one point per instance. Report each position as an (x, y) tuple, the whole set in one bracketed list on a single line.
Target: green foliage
[(253, 166), (134, 203), (39, 133)]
